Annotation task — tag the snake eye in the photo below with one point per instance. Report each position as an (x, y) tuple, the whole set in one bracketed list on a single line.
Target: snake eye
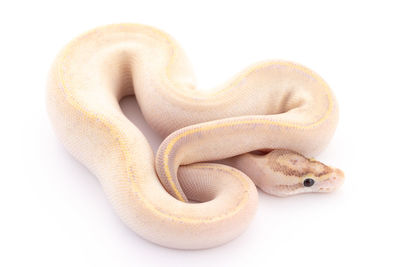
[(308, 182)]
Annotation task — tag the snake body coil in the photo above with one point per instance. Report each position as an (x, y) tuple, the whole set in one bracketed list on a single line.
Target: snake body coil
[(273, 106)]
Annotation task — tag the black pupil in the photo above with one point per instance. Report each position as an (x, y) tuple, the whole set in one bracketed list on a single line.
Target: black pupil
[(308, 182)]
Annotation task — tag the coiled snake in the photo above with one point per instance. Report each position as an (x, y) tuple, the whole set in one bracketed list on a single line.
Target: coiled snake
[(257, 123)]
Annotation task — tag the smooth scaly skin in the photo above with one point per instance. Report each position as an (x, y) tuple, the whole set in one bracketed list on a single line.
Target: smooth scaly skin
[(91, 75)]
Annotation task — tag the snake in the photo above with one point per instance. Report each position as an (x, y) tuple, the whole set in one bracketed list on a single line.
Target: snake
[(261, 128)]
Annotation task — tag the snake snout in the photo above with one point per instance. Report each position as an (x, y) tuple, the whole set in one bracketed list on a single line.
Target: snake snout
[(338, 177), (333, 182)]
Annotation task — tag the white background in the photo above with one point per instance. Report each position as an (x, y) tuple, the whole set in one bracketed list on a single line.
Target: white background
[(53, 211)]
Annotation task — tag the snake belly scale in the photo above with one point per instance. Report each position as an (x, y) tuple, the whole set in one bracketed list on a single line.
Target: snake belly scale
[(208, 156)]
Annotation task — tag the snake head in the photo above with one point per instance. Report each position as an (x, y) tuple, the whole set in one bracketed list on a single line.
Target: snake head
[(290, 173), (285, 173)]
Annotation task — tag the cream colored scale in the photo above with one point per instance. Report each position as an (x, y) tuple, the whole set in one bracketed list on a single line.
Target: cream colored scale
[(273, 106)]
